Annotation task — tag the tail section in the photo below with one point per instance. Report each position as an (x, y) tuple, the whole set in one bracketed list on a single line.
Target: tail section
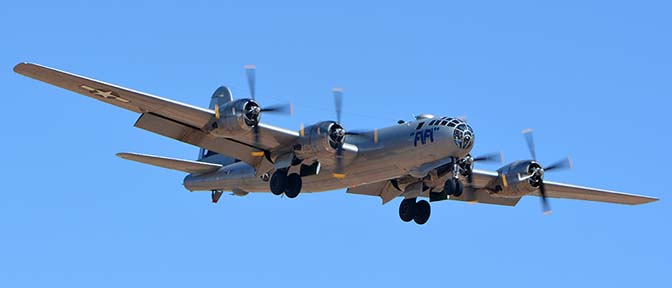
[(221, 96)]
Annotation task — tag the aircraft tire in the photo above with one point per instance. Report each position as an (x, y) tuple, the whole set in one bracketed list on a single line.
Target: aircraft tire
[(407, 209), (450, 186), (423, 211), (293, 186), (279, 182), (459, 188)]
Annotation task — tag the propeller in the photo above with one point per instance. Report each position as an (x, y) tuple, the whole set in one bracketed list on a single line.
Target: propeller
[(536, 172), (338, 134), (468, 163), (254, 111)]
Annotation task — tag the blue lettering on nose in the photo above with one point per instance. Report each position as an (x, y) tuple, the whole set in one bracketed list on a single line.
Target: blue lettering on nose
[(423, 136)]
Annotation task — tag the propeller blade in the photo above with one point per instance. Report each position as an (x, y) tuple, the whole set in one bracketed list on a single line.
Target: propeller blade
[(338, 171), (561, 165), (493, 157), (279, 109), (544, 200), (338, 103), (364, 134), (355, 133), (250, 70), (530, 143), (255, 130)]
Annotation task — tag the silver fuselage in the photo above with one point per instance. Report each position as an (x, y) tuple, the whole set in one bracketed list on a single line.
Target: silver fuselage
[(399, 150)]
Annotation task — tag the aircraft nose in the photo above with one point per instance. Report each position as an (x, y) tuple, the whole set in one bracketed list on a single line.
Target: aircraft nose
[(463, 135)]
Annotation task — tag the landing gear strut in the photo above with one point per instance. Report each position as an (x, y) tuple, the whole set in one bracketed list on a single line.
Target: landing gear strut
[(419, 211), (282, 183), (454, 186)]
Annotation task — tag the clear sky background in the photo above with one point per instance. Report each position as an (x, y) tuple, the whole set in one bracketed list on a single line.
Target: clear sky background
[(592, 78)]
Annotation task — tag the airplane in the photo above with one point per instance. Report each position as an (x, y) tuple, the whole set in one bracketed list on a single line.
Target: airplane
[(428, 157)]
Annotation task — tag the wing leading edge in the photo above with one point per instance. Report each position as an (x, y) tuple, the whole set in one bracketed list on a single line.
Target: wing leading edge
[(195, 118)]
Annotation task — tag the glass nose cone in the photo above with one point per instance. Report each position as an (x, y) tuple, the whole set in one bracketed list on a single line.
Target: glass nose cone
[(463, 136)]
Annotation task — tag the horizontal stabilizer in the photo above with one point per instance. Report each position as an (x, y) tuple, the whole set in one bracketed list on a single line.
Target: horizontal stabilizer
[(189, 166)]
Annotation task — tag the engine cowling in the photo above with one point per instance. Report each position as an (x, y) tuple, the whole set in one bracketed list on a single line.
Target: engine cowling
[(320, 140), (518, 179), (236, 117)]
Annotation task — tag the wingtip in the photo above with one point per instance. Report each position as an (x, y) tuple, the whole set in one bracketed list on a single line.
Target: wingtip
[(651, 200), (17, 67)]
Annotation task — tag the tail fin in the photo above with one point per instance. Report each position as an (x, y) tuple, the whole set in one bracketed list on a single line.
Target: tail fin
[(221, 96)]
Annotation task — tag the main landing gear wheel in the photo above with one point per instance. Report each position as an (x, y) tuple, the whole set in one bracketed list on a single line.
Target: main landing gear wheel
[(418, 212), (407, 209), (294, 185), (453, 187), (423, 210), (279, 182)]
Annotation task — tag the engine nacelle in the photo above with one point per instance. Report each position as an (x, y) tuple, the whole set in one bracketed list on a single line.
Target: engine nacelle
[(320, 140), (236, 117), (513, 180)]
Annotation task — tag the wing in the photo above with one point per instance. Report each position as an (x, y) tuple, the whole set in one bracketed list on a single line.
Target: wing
[(119, 96), (566, 191), (195, 167), (192, 117)]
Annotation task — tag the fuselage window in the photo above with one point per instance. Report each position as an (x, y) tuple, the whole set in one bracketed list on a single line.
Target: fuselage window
[(443, 123), (431, 122), (420, 125)]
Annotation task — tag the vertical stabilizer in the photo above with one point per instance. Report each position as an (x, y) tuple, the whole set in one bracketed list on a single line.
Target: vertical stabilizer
[(221, 96)]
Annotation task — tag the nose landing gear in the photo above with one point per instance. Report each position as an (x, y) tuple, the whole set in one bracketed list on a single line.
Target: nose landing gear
[(419, 211)]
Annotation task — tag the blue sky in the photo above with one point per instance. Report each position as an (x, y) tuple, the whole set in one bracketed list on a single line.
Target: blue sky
[(590, 77)]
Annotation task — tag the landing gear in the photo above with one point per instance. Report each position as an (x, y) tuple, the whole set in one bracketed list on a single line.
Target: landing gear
[(294, 185), (418, 212), (423, 210), (453, 187), (407, 209), (279, 182), (282, 183)]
